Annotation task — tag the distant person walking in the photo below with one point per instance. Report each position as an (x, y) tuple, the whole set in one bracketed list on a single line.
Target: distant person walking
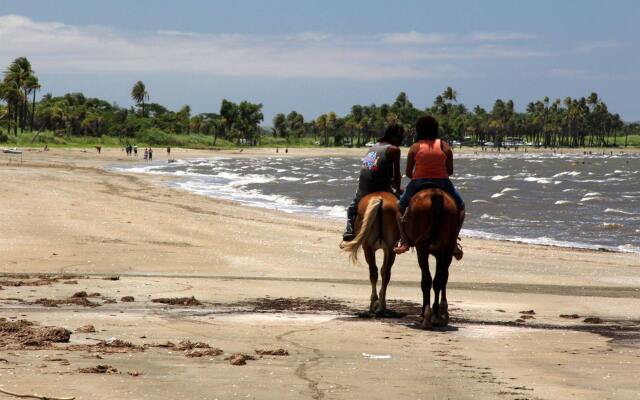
[(168, 151), (135, 150), (146, 154), (150, 154)]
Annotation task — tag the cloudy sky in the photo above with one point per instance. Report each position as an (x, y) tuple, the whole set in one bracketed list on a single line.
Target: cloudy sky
[(319, 56)]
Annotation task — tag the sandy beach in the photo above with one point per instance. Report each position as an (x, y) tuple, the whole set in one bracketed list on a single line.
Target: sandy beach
[(528, 322)]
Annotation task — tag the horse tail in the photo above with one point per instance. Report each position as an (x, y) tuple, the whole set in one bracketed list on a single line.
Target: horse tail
[(437, 206), (435, 216), (368, 221)]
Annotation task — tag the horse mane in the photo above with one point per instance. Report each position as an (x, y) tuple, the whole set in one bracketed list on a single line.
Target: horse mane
[(368, 220)]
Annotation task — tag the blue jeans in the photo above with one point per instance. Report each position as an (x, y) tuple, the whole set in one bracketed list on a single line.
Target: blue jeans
[(413, 187)]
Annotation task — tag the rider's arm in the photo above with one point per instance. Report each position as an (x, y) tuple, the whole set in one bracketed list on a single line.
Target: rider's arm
[(411, 161), (394, 156), (449, 153)]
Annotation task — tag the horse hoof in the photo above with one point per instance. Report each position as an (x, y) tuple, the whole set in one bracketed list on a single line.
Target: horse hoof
[(427, 321), (373, 308)]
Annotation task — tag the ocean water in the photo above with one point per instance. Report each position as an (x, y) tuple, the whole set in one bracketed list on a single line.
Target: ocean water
[(570, 200)]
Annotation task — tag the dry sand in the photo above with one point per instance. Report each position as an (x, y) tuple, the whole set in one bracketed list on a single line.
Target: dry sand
[(270, 281)]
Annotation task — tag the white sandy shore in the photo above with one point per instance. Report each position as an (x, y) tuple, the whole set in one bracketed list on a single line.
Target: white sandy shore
[(62, 211)]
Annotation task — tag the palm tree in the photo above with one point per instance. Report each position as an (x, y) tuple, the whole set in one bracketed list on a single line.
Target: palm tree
[(280, 126), (33, 86), (450, 95), (139, 94), (321, 125)]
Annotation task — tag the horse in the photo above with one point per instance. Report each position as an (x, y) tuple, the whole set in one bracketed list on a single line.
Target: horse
[(431, 226), (377, 229)]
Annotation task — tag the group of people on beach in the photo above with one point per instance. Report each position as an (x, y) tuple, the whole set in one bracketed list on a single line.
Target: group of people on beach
[(132, 150), (430, 161)]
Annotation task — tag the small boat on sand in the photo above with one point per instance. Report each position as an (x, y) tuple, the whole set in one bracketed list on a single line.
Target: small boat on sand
[(12, 151)]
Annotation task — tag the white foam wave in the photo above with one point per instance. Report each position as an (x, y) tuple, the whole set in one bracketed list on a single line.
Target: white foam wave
[(335, 211), (566, 173), (617, 211), (500, 177), (547, 241)]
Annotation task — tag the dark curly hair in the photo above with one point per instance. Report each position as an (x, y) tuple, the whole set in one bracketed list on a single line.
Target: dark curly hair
[(426, 128), (393, 131)]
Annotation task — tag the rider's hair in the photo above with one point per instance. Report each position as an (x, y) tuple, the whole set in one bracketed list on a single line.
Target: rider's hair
[(426, 128), (393, 131)]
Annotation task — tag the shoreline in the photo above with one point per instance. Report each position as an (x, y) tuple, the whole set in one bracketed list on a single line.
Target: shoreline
[(309, 211)]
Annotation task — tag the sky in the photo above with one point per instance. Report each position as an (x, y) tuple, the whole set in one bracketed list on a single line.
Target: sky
[(320, 56)]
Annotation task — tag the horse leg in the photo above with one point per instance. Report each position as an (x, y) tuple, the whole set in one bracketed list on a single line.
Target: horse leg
[(370, 256), (440, 306), (425, 284), (389, 258)]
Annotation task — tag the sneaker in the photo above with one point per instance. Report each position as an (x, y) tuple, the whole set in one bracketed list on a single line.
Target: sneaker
[(348, 236), (401, 247)]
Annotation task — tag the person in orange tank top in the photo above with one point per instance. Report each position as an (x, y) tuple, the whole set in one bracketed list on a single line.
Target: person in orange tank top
[(430, 160)]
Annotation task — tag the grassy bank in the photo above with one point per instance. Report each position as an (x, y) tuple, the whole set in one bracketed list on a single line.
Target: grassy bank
[(158, 138)]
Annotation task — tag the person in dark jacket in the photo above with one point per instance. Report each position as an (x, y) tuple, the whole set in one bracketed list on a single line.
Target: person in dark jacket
[(380, 171)]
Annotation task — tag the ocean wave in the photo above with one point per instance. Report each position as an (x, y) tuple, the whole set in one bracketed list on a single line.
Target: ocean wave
[(547, 241), (617, 211), (611, 226), (566, 173)]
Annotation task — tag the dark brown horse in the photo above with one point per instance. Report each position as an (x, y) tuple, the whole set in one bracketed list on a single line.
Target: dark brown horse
[(431, 225), (377, 229)]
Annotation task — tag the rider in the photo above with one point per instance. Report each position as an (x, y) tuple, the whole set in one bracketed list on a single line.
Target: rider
[(380, 172), (430, 160)]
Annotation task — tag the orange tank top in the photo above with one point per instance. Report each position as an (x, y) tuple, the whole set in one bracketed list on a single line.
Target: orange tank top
[(431, 162)]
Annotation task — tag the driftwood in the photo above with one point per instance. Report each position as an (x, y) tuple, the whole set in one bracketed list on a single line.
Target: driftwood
[(34, 396)]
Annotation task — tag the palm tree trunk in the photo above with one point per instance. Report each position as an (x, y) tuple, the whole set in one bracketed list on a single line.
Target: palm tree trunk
[(33, 109), (15, 117)]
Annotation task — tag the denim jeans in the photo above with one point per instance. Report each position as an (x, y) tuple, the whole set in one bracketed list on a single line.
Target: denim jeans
[(443, 183)]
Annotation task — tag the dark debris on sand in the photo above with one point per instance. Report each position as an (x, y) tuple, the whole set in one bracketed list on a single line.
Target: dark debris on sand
[(17, 280), (272, 352), (99, 369), (127, 299), (22, 334), (107, 346), (178, 301), (78, 301), (296, 304), (190, 349), (239, 358)]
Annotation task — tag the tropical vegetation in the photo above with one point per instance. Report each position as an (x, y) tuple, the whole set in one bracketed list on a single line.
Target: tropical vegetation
[(74, 118)]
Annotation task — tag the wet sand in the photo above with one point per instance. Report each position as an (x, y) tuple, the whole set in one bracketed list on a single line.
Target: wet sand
[(268, 281)]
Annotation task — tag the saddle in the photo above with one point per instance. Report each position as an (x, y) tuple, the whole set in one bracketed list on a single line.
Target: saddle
[(427, 185)]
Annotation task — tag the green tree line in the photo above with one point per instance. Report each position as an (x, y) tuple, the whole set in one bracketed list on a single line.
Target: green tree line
[(570, 122)]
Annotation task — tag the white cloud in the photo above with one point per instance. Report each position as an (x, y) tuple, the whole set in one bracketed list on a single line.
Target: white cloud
[(582, 74), (57, 47), (414, 37), (501, 36), (590, 47)]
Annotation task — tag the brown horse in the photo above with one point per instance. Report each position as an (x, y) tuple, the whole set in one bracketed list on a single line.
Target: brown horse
[(431, 225), (377, 228)]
